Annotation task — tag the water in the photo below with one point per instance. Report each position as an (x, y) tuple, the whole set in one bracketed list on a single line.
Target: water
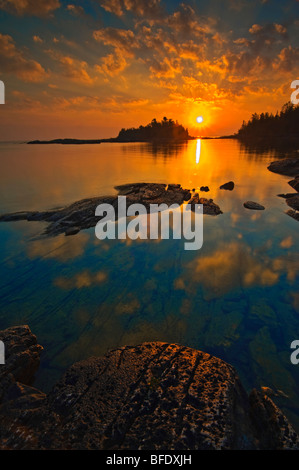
[(236, 298)]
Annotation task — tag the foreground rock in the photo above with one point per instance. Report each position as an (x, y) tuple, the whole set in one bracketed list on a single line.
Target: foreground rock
[(295, 183), (287, 166), (155, 396), (292, 199), (293, 202), (22, 357), (81, 214), (228, 186), (253, 206), (294, 214), (209, 206)]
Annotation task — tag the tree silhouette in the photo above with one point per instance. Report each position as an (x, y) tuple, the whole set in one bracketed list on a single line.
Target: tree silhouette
[(166, 129)]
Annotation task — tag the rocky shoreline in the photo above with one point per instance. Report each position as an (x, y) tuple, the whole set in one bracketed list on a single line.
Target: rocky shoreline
[(81, 214), (289, 167), (154, 396)]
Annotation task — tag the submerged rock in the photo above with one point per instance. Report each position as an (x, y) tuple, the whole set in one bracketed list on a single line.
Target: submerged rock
[(156, 396), (229, 186), (81, 214), (253, 206), (287, 166)]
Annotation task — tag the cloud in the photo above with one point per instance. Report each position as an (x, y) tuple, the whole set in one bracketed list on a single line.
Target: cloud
[(12, 60), (76, 10), (80, 280), (37, 39), (112, 64), (57, 248), (146, 8), (185, 20), (287, 59), (122, 39), (236, 265), (72, 68), (30, 7)]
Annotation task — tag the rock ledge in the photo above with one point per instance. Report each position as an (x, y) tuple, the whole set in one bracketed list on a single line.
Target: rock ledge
[(156, 396)]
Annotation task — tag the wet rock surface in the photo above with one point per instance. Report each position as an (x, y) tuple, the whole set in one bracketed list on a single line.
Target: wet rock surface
[(295, 183), (81, 214), (286, 166), (228, 186), (209, 206), (22, 357), (156, 396), (293, 202), (292, 199), (253, 206)]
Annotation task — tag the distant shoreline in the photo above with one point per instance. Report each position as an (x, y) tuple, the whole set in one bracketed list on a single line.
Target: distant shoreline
[(116, 140)]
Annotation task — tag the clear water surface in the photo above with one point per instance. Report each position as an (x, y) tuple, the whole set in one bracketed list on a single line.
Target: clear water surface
[(237, 297)]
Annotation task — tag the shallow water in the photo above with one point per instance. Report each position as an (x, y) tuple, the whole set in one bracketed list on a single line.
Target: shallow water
[(237, 297)]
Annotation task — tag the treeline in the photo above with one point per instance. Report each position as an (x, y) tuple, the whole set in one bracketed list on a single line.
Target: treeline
[(267, 127), (167, 129)]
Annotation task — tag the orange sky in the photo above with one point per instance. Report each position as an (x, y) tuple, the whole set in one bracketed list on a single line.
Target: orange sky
[(89, 68)]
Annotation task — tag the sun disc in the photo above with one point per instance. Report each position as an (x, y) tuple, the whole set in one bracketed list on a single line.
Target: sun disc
[(199, 119)]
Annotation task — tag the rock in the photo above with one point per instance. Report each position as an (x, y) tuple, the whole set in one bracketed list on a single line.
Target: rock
[(205, 188), (287, 166), (294, 214), (209, 206), (81, 214), (295, 183), (22, 357), (274, 429), (253, 206), (229, 186), (287, 195), (72, 231), (268, 391), (155, 396), (293, 202)]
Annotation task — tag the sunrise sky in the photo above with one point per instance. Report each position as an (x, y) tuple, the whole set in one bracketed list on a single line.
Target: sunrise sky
[(86, 69)]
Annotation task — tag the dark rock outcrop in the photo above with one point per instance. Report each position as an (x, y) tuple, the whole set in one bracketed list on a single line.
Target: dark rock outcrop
[(22, 357), (286, 166), (81, 214), (295, 183), (205, 189), (293, 202), (287, 195), (294, 214), (229, 186), (156, 396), (253, 206), (209, 206)]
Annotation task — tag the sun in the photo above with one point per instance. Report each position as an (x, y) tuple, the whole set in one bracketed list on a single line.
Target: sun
[(199, 119)]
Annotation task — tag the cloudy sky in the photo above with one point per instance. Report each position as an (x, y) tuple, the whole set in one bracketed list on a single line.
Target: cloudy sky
[(87, 68)]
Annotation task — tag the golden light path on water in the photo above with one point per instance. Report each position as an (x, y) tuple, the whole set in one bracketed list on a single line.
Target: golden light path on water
[(198, 146)]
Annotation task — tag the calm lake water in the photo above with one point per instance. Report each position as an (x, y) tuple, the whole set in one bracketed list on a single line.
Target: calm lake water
[(237, 297)]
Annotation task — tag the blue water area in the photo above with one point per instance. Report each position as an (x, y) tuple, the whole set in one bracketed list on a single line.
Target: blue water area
[(237, 297)]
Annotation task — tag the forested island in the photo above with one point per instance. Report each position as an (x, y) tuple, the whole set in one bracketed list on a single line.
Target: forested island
[(166, 130), (268, 128)]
